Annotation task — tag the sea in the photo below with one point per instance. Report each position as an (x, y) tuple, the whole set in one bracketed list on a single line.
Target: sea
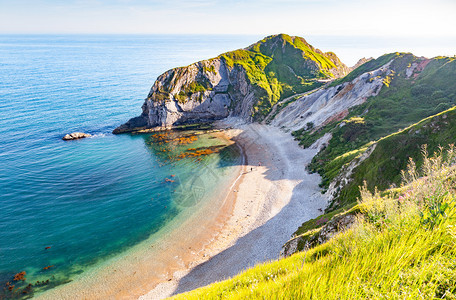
[(68, 206)]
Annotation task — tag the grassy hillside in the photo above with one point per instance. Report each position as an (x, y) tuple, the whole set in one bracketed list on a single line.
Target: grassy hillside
[(369, 66), (383, 167), (402, 246), (401, 102), (280, 65)]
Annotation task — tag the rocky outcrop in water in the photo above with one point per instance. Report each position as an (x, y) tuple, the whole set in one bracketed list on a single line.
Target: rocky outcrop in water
[(76, 136), (178, 97)]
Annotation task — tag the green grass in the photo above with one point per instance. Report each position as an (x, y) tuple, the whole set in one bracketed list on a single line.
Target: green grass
[(309, 232), (403, 102), (332, 168), (383, 167), (403, 246), (367, 67), (319, 221), (279, 66)]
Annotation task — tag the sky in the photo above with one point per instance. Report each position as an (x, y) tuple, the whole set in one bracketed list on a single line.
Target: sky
[(296, 17), (423, 27)]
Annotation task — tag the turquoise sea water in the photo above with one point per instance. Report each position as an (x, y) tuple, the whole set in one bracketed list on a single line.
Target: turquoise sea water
[(90, 198)]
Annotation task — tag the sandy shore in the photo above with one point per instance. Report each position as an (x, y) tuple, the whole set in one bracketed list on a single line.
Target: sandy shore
[(273, 197), (246, 223)]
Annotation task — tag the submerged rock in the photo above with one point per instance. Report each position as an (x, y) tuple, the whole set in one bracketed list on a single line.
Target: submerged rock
[(76, 136)]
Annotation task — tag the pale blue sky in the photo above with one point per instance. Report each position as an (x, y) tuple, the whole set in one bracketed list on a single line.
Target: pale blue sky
[(299, 17)]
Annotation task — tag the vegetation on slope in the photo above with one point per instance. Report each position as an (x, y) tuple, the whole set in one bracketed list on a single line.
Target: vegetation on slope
[(383, 167), (400, 103), (369, 66), (403, 245), (280, 65)]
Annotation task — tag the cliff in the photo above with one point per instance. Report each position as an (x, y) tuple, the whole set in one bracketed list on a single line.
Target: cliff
[(331, 104), (245, 83)]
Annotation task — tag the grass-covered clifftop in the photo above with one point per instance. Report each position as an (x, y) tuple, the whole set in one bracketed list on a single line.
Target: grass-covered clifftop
[(281, 65), (401, 245), (276, 67)]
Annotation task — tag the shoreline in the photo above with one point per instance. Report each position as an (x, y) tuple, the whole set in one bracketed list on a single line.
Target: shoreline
[(271, 199), (136, 271), (270, 196)]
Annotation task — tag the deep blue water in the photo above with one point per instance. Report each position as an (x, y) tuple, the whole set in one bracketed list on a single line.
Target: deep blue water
[(89, 198)]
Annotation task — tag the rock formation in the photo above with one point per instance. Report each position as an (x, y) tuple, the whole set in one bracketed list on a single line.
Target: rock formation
[(360, 62), (75, 136), (332, 103), (244, 83)]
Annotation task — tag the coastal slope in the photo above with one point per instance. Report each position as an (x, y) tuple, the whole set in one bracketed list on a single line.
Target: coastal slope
[(379, 98), (397, 247)]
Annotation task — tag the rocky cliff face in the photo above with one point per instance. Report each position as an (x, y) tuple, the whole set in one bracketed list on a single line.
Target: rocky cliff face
[(326, 105), (313, 238), (195, 93), (244, 83)]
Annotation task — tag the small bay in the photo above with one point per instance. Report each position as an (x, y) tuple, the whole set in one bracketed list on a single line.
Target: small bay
[(66, 206)]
